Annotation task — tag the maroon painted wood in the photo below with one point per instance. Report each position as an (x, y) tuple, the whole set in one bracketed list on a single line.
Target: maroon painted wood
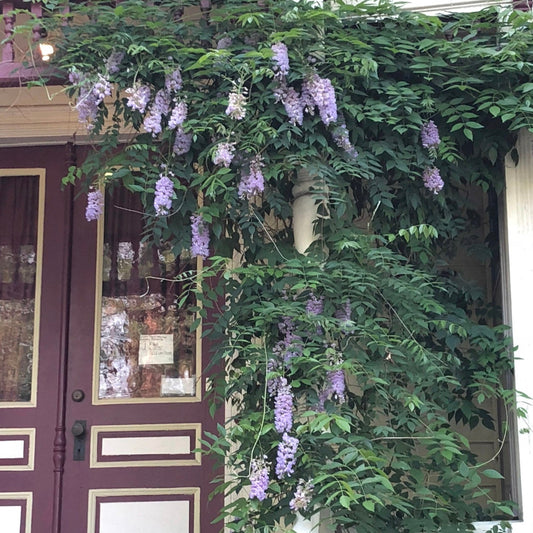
[(51, 349), (59, 485), (79, 478)]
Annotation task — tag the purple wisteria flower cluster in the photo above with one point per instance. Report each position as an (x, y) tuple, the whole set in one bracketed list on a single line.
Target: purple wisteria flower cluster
[(164, 192), (153, 119), (302, 495), (292, 103), (314, 305), (182, 142), (95, 205), (334, 388), (322, 93), (178, 115), (432, 180), (138, 97), (199, 237), (316, 92), (273, 382), (236, 105), (429, 136), (291, 344), (286, 456), (166, 109), (259, 479), (224, 154), (91, 94), (281, 60), (341, 136), (224, 42), (252, 179), (283, 407), (112, 65)]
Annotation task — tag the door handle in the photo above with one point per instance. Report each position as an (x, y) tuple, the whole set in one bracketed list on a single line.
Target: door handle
[(79, 431)]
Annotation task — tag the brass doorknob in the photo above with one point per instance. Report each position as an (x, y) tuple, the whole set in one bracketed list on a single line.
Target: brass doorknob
[(78, 429)]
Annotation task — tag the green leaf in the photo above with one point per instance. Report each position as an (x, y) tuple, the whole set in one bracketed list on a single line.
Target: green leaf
[(493, 474), (369, 505)]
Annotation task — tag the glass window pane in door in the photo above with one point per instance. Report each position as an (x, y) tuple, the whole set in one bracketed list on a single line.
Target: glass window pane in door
[(19, 210), (147, 350)]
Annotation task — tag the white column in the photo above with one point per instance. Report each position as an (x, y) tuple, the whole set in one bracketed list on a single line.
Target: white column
[(518, 222), (304, 211)]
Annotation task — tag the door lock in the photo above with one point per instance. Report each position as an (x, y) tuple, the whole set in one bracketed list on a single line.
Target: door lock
[(79, 430), (78, 395)]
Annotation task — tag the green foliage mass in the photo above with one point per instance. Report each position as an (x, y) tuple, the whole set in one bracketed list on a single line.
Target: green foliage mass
[(418, 352)]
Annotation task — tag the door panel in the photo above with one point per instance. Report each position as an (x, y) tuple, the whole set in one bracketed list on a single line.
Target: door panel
[(139, 366), (28, 483), (116, 363)]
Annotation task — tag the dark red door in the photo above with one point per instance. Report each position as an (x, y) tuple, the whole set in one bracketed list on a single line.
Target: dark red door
[(119, 406)]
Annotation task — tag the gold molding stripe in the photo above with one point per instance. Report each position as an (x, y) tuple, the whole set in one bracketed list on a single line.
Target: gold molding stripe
[(97, 430), (96, 400), (30, 432), (40, 173), (28, 496), (94, 494)]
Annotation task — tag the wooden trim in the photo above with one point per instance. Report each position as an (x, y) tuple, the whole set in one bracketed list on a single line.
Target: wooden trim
[(117, 494), (40, 173), (134, 429), (96, 400), (26, 514), (28, 435)]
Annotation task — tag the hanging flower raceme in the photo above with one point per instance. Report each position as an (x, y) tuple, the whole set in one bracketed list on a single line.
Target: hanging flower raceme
[(178, 115), (95, 205), (286, 456), (113, 62), (138, 97), (224, 42), (182, 142), (322, 92), (292, 102), (258, 479), (153, 119), (432, 180), (341, 137), (164, 191), (283, 407), (173, 81), (337, 385), (273, 383), (291, 344), (90, 96), (280, 59), (252, 180), (302, 495), (199, 237), (314, 305), (429, 135), (236, 105), (224, 154)]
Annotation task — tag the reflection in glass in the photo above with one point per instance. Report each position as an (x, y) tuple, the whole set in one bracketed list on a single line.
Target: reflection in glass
[(19, 206), (146, 347)]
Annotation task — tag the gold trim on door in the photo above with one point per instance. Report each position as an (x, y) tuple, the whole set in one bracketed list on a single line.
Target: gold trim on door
[(96, 400), (94, 494), (28, 496), (134, 428), (40, 173), (30, 432)]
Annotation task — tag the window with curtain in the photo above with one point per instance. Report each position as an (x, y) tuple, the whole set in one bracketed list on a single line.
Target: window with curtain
[(147, 349), (19, 206)]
